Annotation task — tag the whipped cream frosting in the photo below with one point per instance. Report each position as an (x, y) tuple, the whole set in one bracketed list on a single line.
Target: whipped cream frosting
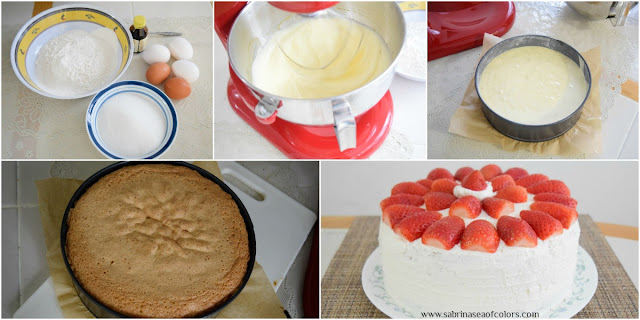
[(423, 278), (459, 191)]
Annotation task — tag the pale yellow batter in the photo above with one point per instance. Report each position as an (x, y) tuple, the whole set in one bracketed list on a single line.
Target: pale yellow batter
[(532, 85), (312, 45)]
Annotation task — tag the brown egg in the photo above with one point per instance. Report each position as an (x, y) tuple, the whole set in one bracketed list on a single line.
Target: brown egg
[(158, 73), (177, 88)]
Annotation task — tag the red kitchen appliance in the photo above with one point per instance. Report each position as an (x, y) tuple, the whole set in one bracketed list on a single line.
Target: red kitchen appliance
[(349, 126), (457, 26)]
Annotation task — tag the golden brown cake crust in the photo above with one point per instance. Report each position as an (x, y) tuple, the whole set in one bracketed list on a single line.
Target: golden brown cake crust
[(157, 240)]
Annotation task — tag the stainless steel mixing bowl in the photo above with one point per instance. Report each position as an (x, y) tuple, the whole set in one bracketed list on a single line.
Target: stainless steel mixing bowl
[(617, 11), (525, 132), (259, 20)]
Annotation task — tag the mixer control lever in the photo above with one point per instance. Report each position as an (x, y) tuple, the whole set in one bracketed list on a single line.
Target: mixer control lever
[(266, 109), (344, 124)]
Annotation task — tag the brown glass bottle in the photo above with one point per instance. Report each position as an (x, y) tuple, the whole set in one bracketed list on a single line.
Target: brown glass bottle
[(139, 32)]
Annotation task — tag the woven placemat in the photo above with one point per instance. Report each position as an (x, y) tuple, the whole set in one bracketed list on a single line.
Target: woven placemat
[(343, 296)]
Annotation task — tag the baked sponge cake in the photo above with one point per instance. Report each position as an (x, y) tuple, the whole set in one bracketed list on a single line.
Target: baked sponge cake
[(157, 240), (479, 241)]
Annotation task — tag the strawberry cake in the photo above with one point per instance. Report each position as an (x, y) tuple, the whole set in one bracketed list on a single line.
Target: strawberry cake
[(479, 241)]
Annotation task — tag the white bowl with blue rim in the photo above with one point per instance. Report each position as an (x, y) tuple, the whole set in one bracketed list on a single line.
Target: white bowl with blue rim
[(148, 92), (56, 21)]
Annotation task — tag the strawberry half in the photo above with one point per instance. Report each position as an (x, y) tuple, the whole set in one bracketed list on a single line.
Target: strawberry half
[(436, 201), (426, 183), (466, 207), (480, 235), (398, 212), (501, 181), (489, 171), (531, 180), (551, 186), (443, 185), (410, 188), (463, 172), (474, 181), (444, 233), (412, 228), (516, 194), (557, 198), (562, 213), (402, 198), (543, 224), (517, 173), (516, 232), (440, 173), (497, 207)]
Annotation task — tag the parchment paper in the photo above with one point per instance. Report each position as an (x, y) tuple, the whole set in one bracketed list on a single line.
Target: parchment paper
[(585, 137), (257, 299)]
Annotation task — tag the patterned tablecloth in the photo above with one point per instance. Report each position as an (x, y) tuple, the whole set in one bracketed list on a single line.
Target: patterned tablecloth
[(34, 126)]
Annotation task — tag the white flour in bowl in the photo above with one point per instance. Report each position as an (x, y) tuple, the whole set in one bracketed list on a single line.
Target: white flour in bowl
[(78, 62)]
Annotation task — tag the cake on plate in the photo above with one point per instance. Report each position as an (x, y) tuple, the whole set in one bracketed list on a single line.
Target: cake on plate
[(479, 241), (157, 240)]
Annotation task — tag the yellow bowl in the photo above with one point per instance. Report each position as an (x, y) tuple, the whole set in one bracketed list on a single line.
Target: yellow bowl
[(54, 22)]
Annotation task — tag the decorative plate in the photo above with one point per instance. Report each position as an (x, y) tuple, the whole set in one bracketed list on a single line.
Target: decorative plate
[(138, 87), (585, 283)]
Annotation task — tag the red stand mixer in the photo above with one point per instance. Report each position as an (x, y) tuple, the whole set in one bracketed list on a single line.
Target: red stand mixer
[(352, 125), (459, 26)]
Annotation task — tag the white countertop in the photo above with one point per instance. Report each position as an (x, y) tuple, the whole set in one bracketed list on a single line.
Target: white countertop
[(449, 76), (36, 127)]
